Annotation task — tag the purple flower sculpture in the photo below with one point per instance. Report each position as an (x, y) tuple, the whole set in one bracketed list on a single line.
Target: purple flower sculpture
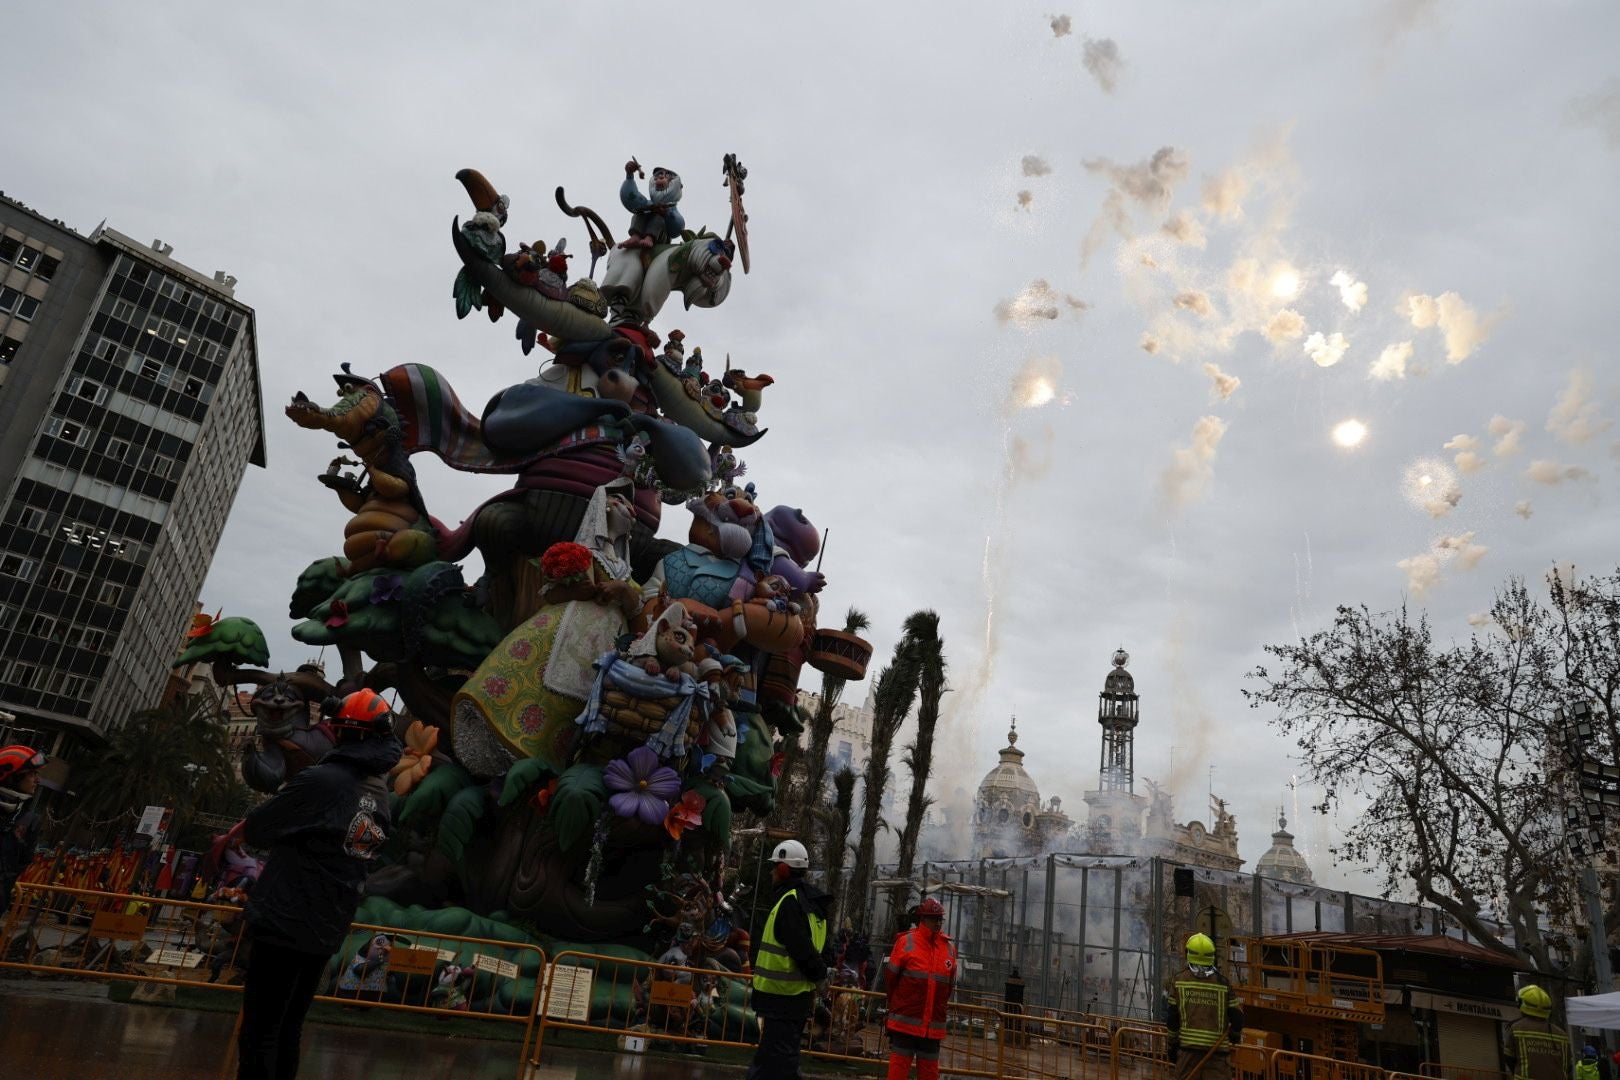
[(642, 787), (387, 589)]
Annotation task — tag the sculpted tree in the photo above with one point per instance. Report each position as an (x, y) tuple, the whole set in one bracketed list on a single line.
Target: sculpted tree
[(821, 728), (1452, 756), (895, 690), (923, 630), (836, 845)]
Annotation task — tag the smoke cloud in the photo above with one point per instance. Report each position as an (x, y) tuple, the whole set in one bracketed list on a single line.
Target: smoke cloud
[(1463, 328), (1600, 110), (1391, 363), (1326, 351), (1522, 508), (1062, 26), (1150, 344), (1148, 185), (1552, 473), (1101, 58), (1223, 194), (1467, 459), (1478, 619), (1033, 385), (1036, 166), (1422, 572), (1037, 301), (1464, 553), (1186, 228), (1192, 467), (1222, 386), (1286, 325), (1507, 434), (1575, 418), (1352, 293), (1194, 301), (1024, 199), (1430, 484)]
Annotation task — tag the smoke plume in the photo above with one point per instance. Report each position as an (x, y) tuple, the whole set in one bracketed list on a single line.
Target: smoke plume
[(1507, 434), (1222, 386), (1196, 302), (1352, 293), (1185, 228), (1552, 473), (1391, 363), (1148, 185), (1286, 325), (1036, 302), (1036, 166), (1463, 328), (1062, 26), (1192, 467), (1326, 351), (1102, 59), (1576, 418)]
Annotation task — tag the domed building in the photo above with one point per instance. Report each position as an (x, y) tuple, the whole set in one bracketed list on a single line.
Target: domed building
[(1008, 816), (1283, 861)]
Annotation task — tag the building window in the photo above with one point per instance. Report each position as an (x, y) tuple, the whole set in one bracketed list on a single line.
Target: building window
[(123, 311), (8, 349), (92, 640), (31, 518), (194, 387), (22, 675), (69, 686), (110, 593), (43, 626), (9, 299), (63, 580), (27, 308), (153, 370), (46, 270), (9, 249), (14, 565), (90, 391), (66, 430), (117, 449), (7, 615), (28, 257)]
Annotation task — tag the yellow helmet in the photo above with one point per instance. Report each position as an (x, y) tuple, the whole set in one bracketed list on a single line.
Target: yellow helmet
[(1535, 1003), (1200, 951)]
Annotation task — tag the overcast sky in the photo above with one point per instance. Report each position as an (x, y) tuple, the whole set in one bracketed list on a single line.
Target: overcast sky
[(1063, 305)]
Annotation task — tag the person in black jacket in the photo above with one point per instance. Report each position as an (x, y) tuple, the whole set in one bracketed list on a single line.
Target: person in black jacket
[(790, 961), (321, 829), (19, 823)]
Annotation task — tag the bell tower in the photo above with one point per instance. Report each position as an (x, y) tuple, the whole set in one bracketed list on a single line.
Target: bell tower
[(1117, 713)]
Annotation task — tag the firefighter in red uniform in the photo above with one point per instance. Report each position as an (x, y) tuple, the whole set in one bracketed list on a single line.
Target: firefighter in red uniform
[(918, 979)]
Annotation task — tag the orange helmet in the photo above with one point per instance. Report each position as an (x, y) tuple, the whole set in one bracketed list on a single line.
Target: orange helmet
[(361, 713), (16, 760)]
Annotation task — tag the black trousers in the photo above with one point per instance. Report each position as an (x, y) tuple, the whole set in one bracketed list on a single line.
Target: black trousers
[(276, 992), (781, 1029)]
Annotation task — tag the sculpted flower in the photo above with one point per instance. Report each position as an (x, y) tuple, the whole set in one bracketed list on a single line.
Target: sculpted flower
[(642, 787), (387, 589), (339, 615), (685, 815), (565, 562), (414, 763)]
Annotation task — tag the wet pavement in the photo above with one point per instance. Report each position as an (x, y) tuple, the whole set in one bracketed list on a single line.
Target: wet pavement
[(70, 1030)]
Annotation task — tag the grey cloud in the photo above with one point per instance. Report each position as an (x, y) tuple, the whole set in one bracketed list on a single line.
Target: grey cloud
[(1103, 61), (1147, 185), (1600, 110), (1035, 166)]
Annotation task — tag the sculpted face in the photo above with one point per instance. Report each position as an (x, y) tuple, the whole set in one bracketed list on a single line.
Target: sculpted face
[(278, 709), (675, 645), (621, 516)]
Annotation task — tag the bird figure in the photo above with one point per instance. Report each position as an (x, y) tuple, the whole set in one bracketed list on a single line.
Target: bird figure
[(483, 232), (749, 387)]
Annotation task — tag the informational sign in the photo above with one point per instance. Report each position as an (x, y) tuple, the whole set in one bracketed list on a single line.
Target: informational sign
[(495, 966), (669, 992), (447, 955), (151, 823), (180, 958), (117, 926), (570, 993), (408, 961)]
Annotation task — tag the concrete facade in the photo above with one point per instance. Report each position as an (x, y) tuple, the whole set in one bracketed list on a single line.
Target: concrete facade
[(129, 411)]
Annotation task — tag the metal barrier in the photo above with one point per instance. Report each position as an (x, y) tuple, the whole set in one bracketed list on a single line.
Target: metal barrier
[(1291, 1065), (851, 1026), (1139, 1052), (1434, 1070), (155, 942), (643, 1001), (1043, 1048), (972, 1045)]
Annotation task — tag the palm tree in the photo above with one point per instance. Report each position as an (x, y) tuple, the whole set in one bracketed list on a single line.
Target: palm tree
[(896, 689), (144, 763), (821, 725), (836, 845), (922, 630)]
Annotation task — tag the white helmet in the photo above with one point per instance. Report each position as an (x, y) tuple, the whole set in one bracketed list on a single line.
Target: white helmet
[(792, 853)]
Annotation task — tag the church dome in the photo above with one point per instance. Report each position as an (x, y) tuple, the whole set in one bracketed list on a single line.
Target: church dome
[(1008, 783), (1283, 861), (1119, 681)]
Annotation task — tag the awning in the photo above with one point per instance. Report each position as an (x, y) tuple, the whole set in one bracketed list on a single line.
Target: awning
[(1596, 1011)]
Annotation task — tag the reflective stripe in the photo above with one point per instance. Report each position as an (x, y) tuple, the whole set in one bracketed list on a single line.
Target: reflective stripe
[(1212, 1008), (775, 971), (907, 973)]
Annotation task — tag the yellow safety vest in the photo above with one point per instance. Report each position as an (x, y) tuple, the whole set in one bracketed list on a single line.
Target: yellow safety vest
[(1542, 1055), (1203, 1011), (774, 970)]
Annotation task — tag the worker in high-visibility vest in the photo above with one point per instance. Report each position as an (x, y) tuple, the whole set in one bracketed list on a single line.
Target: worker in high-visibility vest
[(790, 961), (1587, 1068), (918, 979), (1537, 1048), (1202, 1014)]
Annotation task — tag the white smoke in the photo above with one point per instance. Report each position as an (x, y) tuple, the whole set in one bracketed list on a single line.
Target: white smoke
[(1522, 508), (1038, 301), (1463, 328), (1507, 434), (1352, 293), (1196, 302), (1150, 344), (1576, 418), (1327, 350), (1286, 325), (1036, 166), (1185, 228), (1467, 459), (1148, 185), (1552, 473), (1221, 385), (1101, 57), (1464, 553), (1192, 467), (1062, 26), (1223, 194), (1391, 363), (1422, 572)]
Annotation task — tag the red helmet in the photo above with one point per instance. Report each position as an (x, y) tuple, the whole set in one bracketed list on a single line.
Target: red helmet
[(16, 760), (362, 712), (930, 908)]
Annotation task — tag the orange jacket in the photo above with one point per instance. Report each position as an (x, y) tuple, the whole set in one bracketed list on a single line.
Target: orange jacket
[(918, 978)]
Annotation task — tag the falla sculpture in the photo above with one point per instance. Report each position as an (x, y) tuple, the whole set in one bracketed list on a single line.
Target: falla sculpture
[(584, 722)]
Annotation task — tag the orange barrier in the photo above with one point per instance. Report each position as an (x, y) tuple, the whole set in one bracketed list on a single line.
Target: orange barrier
[(1141, 1053), (643, 1001), (1436, 1071), (850, 1028), (130, 938), (1046, 1049), (1289, 1065)]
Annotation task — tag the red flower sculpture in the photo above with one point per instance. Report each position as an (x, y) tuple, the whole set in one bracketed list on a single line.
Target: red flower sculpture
[(685, 815), (542, 798), (565, 562)]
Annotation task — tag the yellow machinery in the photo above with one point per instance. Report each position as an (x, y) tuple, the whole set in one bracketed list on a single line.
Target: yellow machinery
[(1300, 995)]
